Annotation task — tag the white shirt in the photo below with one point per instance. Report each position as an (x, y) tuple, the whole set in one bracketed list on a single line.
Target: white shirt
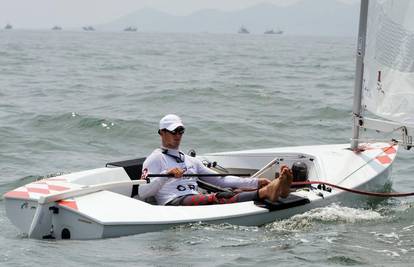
[(166, 189)]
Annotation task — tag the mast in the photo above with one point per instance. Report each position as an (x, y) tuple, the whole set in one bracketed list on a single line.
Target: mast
[(359, 72)]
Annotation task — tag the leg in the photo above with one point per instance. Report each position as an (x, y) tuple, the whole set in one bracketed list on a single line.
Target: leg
[(195, 200), (217, 198), (271, 191)]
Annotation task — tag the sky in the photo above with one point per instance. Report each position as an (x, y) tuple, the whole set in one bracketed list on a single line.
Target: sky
[(73, 13)]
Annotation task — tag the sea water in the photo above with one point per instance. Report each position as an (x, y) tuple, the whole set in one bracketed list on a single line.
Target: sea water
[(72, 101)]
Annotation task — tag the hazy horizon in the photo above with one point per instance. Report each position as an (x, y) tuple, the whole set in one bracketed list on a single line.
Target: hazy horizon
[(42, 14)]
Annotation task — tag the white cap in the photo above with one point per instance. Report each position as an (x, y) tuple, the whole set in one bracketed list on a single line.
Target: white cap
[(170, 122)]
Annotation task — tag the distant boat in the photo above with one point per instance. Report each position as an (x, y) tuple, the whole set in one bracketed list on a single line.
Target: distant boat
[(273, 32), (88, 28), (243, 30), (130, 29), (8, 27), (57, 28)]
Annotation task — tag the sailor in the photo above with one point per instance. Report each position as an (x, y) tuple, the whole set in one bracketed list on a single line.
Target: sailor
[(179, 190)]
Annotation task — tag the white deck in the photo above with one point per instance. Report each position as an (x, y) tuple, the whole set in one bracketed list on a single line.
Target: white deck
[(110, 208)]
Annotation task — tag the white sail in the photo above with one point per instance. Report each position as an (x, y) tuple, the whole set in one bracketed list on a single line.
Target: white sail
[(388, 82)]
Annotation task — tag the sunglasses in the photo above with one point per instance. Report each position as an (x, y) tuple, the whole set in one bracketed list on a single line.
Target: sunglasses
[(178, 130)]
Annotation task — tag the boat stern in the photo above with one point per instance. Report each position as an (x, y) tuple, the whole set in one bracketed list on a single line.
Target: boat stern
[(20, 211)]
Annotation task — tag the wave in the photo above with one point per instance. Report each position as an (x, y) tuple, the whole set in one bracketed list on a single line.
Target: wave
[(215, 227), (344, 260), (73, 120), (332, 214)]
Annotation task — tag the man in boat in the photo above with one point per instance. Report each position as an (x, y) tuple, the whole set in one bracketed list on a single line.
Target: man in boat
[(179, 190)]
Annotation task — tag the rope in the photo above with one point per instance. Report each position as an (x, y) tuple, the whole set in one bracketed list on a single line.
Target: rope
[(355, 191)]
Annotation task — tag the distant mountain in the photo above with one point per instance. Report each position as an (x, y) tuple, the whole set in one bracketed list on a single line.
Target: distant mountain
[(306, 17)]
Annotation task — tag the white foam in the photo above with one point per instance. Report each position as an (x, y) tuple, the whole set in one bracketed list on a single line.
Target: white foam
[(108, 125), (408, 228), (330, 214), (389, 235), (336, 213), (388, 252)]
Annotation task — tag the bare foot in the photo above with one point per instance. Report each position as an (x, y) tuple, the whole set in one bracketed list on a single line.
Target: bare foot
[(286, 178), (279, 187)]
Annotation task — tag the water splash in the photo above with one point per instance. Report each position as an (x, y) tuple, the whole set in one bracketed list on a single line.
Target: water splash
[(215, 227), (107, 125), (330, 214)]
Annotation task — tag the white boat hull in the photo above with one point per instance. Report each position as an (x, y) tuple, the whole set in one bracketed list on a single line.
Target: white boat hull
[(113, 213)]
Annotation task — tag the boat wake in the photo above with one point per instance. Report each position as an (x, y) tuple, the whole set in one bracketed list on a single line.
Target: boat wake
[(215, 227), (332, 214)]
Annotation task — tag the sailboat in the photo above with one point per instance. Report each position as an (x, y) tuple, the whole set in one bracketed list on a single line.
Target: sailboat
[(88, 28), (130, 29), (271, 31), (102, 202), (243, 30)]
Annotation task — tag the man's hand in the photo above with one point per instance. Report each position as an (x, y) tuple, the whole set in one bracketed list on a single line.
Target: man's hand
[(177, 172), (263, 182)]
